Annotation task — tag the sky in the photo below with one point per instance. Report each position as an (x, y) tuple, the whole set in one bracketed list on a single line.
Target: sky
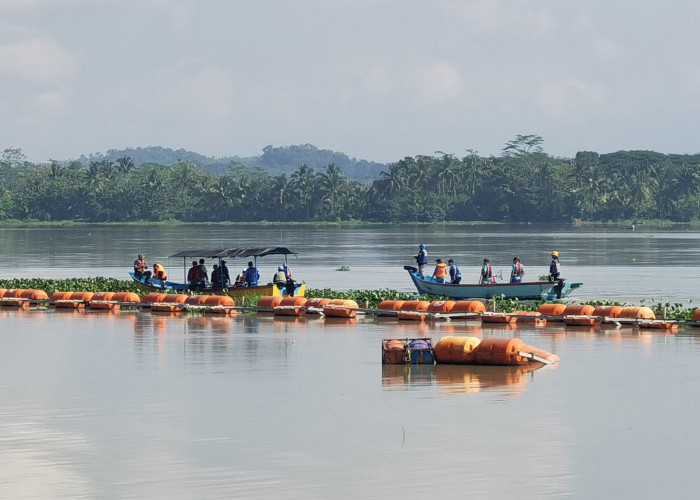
[(375, 79)]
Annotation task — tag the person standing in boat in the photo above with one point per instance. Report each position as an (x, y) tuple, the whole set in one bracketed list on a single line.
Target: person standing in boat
[(440, 272), (280, 278), (517, 272), (487, 273), (140, 267), (554, 267), (422, 259), (204, 271), (251, 275), (225, 276), (194, 276), (216, 277), (455, 273)]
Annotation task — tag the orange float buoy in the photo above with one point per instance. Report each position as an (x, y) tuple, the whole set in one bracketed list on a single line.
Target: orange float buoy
[(72, 299), (489, 317), (456, 350), (582, 320), (340, 308), (468, 306), (291, 306), (579, 310), (196, 300), (104, 300), (60, 296), (607, 311), (13, 298), (670, 326), (166, 307), (220, 304), (175, 298), (637, 312), (696, 314), (499, 351), (154, 297), (551, 310), (3, 291), (127, 297), (542, 354), (268, 303), (315, 305), (441, 306), (394, 352), (530, 318), (389, 307), (412, 309)]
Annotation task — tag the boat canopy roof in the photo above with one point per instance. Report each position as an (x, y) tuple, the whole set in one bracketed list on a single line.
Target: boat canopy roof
[(234, 252)]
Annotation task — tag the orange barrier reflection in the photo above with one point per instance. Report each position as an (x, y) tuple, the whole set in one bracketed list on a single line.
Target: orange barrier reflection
[(475, 378)]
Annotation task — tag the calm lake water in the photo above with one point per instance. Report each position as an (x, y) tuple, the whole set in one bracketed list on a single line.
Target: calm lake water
[(135, 405)]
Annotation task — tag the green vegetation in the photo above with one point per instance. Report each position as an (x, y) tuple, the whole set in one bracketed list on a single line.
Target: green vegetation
[(343, 268), (524, 184), (98, 284)]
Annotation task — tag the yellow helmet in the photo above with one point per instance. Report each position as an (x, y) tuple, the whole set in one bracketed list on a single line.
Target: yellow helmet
[(555, 254)]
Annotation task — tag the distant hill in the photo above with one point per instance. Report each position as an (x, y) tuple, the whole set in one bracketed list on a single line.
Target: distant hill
[(275, 160)]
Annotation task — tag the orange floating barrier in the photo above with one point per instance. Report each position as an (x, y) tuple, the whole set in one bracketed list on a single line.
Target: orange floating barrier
[(607, 311), (583, 320), (696, 314), (659, 324), (127, 297), (196, 300), (340, 308), (412, 309), (60, 296), (637, 313), (468, 306), (291, 306), (390, 306), (220, 304), (175, 298), (489, 317), (72, 299), (3, 291), (579, 310), (268, 303), (154, 297), (499, 351), (13, 298), (542, 354), (551, 310), (456, 350), (441, 306), (315, 305), (166, 307), (531, 318), (104, 300), (394, 352)]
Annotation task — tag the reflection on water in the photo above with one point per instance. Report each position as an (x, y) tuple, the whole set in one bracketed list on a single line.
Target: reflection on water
[(139, 405), (457, 379)]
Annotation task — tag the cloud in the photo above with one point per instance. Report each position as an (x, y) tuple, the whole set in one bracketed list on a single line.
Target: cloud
[(38, 61), (203, 92), (440, 81), (564, 95)]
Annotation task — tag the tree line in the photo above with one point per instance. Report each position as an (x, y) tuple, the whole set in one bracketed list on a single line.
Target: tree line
[(522, 184)]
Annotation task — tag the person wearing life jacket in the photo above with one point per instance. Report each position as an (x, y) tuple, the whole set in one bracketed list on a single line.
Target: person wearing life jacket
[(280, 279), (554, 267), (160, 274), (140, 267), (194, 275), (421, 259), (455, 274), (251, 275), (217, 277), (517, 272), (440, 272), (487, 273)]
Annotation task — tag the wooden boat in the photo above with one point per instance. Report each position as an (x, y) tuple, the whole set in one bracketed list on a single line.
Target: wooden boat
[(156, 285), (536, 290)]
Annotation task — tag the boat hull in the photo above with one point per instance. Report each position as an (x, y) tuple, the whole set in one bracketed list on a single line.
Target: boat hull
[(156, 285), (538, 290)]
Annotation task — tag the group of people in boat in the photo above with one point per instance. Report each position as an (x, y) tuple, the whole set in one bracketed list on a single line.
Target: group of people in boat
[(198, 275), (450, 273)]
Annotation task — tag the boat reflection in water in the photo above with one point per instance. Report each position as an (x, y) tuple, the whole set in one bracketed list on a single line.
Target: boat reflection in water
[(459, 379)]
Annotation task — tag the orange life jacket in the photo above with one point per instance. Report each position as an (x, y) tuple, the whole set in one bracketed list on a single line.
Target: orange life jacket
[(441, 270), (160, 272)]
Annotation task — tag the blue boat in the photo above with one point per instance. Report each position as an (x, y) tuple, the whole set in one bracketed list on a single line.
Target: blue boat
[(535, 290)]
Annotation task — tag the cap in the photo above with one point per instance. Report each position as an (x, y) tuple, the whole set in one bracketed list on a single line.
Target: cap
[(422, 245), (555, 254), (280, 268)]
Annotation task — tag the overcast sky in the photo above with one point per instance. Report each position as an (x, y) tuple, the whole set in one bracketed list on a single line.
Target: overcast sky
[(375, 79)]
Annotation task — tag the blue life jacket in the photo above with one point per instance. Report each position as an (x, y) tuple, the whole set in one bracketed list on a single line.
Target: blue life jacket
[(554, 266), (455, 272), (422, 257), (252, 276)]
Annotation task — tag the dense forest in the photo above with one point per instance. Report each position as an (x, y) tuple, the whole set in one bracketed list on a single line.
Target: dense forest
[(523, 184)]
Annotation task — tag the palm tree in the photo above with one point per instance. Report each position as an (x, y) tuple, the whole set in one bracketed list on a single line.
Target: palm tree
[(332, 185), (303, 182)]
